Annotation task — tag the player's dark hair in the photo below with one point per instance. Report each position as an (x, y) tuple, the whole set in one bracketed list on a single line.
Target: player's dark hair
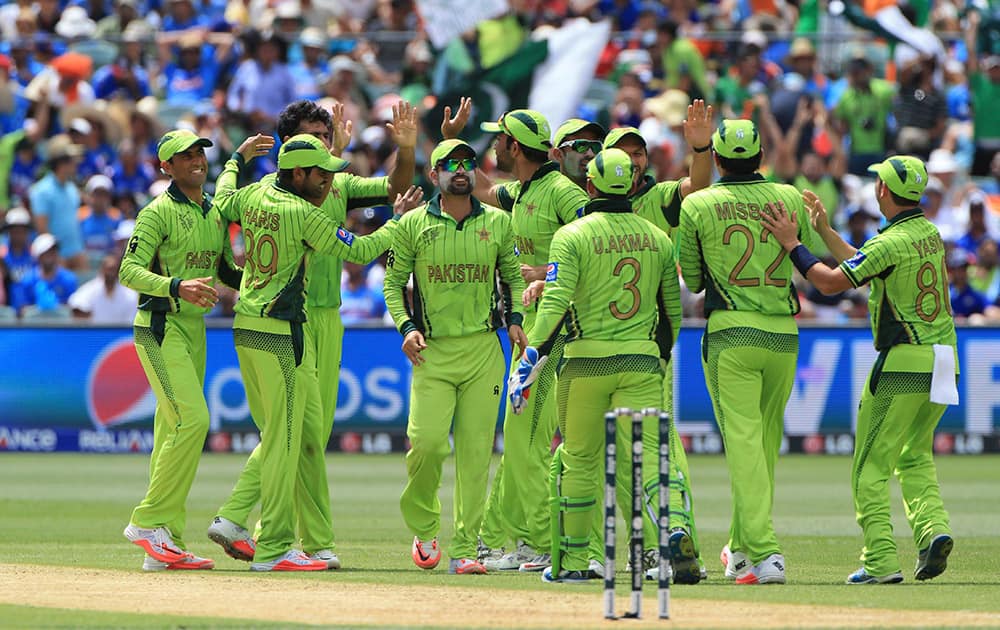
[(292, 117), (534, 155), (744, 166), (903, 202)]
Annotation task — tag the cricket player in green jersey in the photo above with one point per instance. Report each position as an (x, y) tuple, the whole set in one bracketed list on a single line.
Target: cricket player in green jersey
[(575, 144), (541, 200), (612, 278), (453, 248), (277, 355), (915, 375), (178, 247), (346, 192), (660, 203), (750, 345)]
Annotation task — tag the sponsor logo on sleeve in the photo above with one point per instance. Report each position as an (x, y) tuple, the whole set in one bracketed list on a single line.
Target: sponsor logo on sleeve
[(552, 272), (856, 259), (345, 237)]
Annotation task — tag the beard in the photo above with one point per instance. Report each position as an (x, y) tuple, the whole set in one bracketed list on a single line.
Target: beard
[(448, 183)]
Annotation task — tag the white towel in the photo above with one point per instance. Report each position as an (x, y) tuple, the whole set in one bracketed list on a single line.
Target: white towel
[(943, 388)]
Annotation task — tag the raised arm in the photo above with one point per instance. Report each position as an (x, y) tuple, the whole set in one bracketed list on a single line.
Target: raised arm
[(698, 133), (403, 131)]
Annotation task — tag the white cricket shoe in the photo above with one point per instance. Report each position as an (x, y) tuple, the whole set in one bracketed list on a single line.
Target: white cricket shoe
[(512, 560), (736, 563), (327, 556), (769, 571)]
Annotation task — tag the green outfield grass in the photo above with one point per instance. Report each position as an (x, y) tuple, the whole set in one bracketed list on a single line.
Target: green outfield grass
[(70, 509)]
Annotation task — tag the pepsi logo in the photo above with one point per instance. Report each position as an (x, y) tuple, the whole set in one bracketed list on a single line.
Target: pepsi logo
[(117, 388)]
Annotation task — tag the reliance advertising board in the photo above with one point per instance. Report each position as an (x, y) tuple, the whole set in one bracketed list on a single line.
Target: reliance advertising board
[(82, 388)]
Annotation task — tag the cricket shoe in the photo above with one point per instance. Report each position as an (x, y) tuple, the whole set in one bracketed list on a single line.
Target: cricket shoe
[(702, 569), (569, 577), (512, 560), (596, 567), (187, 563), (426, 555), (485, 552), (650, 565), (157, 542), (234, 540), (736, 563), (293, 560), (769, 571), (932, 561), (862, 576), (465, 566), (327, 556), (538, 562), (683, 559)]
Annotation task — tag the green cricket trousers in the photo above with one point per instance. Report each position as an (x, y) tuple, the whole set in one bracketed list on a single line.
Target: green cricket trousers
[(895, 435), (455, 389), (171, 349), (749, 361)]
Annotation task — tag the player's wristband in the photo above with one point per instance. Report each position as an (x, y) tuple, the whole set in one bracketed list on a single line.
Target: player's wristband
[(702, 149), (175, 287), (803, 259)]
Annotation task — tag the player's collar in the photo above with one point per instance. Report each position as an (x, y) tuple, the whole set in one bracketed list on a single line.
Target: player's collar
[(602, 204), (175, 193), (752, 178), (434, 206), (903, 216), (645, 185), (539, 173)]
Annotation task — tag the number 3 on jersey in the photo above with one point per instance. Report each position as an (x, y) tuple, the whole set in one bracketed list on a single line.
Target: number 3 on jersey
[(261, 259), (629, 287)]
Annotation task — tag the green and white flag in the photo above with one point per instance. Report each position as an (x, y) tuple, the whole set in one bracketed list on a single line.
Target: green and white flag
[(550, 74)]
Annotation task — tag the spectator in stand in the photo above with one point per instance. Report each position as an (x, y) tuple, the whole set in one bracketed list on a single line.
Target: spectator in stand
[(344, 86), (20, 164), (938, 213), (392, 15), (130, 174), (75, 25), (48, 285), (984, 276), (62, 83), (195, 68), (819, 173), (736, 90), (181, 16), (47, 14), (310, 72), (18, 259), (98, 219), (984, 85), (802, 61), (978, 230), (360, 302), (121, 236), (965, 301), (126, 77), (55, 199), (943, 165), (8, 18), (919, 107), (683, 64), (126, 13), (861, 222), (263, 85), (103, 300), (862, 113), (94, 159)]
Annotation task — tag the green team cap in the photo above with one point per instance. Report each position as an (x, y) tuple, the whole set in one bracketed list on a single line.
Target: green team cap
[(576, 125), (306, 150), (611, 172), (445, 148), (526, 126), (736, 139), (617, 135), (905, 175), (178, 141)]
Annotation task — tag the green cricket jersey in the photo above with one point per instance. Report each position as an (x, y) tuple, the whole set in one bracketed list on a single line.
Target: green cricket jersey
[(281, 230), (175, 239), (613, 279), (541, 206), (454, 267), (866, 113), (909, 300), (347, 192), (725, 250), (660, 203)]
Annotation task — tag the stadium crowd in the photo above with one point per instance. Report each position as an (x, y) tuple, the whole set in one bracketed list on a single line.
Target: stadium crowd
[(87, 88)]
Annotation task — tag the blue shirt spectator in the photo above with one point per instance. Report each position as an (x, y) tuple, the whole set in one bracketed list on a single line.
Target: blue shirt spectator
[(48, 284), (359, 303), (17, 259), (55, 199), (965, 300), (98, 220), (192, 78), (262, 86), (121, 79), (129, 173)]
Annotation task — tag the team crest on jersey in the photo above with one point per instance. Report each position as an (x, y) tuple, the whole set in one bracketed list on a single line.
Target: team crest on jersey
[(552, 272), (856, 259), (345, 237), (430, 234), (186, 220)]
